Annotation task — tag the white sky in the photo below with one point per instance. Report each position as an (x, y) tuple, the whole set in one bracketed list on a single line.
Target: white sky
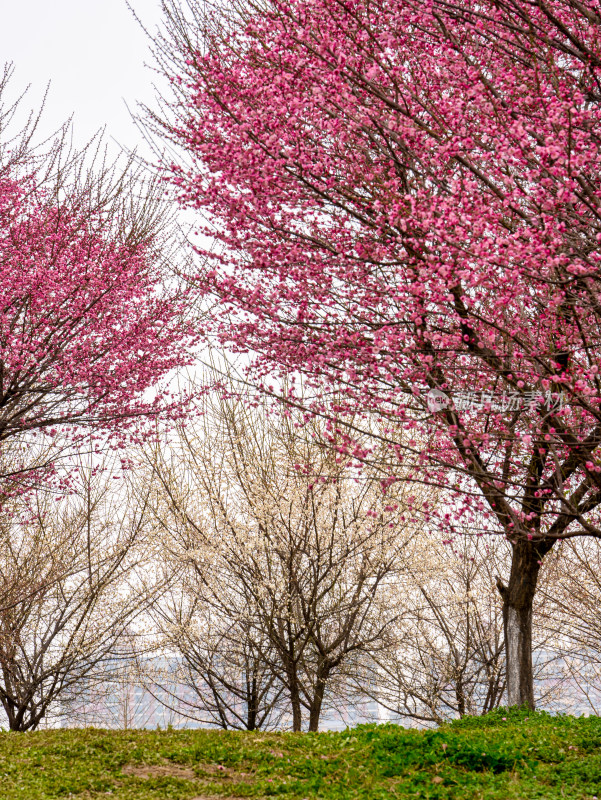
[(93, 54)]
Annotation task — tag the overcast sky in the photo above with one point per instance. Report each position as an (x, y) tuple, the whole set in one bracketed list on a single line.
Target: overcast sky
[(91, 51)]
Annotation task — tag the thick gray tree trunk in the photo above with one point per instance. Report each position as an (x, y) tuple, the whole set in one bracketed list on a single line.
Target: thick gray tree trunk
[(518, 597)]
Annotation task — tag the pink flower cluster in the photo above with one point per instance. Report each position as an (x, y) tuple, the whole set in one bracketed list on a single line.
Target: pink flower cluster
[(86, 321), (408, 197)]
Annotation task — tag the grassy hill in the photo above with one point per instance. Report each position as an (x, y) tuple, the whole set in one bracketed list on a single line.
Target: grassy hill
[(505, 755)]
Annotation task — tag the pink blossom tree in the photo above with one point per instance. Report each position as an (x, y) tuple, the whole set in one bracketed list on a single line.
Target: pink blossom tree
[(91, 312), (407, 196)]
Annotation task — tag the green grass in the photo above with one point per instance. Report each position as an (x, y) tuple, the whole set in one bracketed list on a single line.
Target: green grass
[(522, 756)]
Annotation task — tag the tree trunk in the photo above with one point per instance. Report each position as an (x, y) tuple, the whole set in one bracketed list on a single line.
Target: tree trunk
[(296, 708), (460, 693), (317, 701), (252, 693), (518, 599), (295, 698)]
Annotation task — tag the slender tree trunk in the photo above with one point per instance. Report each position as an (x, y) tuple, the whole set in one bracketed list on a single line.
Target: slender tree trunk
[(314, 715), (294, 690), (317, 701), (518, 598), (460, 694), (253, 704), (296, 707)]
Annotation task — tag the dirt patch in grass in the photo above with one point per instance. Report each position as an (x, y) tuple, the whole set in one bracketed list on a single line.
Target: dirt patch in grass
[(159, 771), (226, 773)]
